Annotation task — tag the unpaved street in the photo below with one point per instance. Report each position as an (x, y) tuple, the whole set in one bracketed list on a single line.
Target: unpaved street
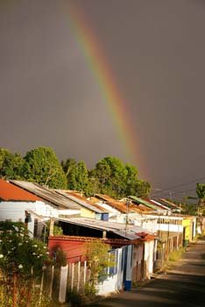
[(183, 285)]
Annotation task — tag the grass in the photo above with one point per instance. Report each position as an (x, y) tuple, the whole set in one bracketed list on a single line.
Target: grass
[(176, 254)]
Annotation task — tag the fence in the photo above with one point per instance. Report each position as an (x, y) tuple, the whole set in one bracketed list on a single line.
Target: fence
[(57, 282)]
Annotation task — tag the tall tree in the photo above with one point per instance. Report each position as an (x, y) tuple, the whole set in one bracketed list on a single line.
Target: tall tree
[(110, 174), (11, 165), (143, 188), (77, 176), (131, 180), (113, 177), (43, 167), (200, 191)]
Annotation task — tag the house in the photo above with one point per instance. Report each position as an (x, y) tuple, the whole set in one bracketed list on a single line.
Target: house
[(149, 205), (174, 208), (88, 209), (62, 205), (133, 247), (18, 205), (121, 211), (189, 224), (165, 209)]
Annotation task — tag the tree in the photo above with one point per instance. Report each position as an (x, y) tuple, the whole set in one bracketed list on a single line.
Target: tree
[(11, 165), (42, 166), (143, 188), (111, 175), (200, 191), (117, 179), (77, 176), (68, 166), (131, 180)]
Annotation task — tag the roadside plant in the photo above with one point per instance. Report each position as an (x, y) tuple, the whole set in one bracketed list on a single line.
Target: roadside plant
[(99, 260), (21, 260)]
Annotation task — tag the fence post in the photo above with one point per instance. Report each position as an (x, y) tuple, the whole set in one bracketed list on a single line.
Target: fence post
[(41, 286), (78, 281), (84, 272), (51, 283), (63, 283), (72, 275)]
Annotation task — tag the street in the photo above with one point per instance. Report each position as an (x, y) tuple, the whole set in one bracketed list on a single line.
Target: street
[(183, 285)]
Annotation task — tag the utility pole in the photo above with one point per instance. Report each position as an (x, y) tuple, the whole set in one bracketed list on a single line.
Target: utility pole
[(127, 211)]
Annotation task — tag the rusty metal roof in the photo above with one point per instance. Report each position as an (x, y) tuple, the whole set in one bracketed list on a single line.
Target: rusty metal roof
[(129, 232), (170, 203), (46, 194), (81, 201), (118, 205), (143, 202)]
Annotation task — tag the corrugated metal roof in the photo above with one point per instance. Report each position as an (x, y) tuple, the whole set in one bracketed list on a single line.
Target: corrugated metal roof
[(119, 205), (81, 201), (125, 231), (168, 202), (9, 192), (160, 205), (46, 194), (142, 201)]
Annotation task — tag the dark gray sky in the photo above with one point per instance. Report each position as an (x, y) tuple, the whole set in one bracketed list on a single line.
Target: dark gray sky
[(156, 49)]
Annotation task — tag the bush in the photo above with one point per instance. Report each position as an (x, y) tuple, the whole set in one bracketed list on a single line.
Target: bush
[(21, 262)]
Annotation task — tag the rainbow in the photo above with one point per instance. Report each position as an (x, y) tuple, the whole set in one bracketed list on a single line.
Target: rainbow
[(98, 63)]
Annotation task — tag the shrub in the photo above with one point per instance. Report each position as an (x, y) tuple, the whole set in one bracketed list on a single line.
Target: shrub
[(21, 262)]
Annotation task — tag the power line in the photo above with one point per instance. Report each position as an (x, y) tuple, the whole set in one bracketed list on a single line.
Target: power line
[(177, 186)]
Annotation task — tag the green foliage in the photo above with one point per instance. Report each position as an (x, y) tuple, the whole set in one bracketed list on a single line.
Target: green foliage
[(111, 175), (99, 260), (176, 254), (143, 188), (69, 167), (21, 262), (11, 165), (200, 190), (59, 256), (90, 289), (18, 252), (77, 176), (57, 230), (117, 179), (43, 167), (26, 295)]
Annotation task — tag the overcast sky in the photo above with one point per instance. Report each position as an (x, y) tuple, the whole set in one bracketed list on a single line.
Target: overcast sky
[(156, 49)]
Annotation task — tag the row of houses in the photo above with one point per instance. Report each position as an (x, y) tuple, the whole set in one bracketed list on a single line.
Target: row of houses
[(141, 232)]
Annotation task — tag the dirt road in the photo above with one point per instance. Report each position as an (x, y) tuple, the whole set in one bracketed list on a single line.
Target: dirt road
[(183, 285)]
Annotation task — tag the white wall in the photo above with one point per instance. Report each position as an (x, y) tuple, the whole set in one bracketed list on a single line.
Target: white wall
[(170, 227), (15, 211), (149, 256), (113, 283), (146, 223)]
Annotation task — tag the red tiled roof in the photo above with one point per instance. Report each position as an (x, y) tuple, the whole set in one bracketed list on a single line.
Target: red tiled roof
[(9, 191)]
